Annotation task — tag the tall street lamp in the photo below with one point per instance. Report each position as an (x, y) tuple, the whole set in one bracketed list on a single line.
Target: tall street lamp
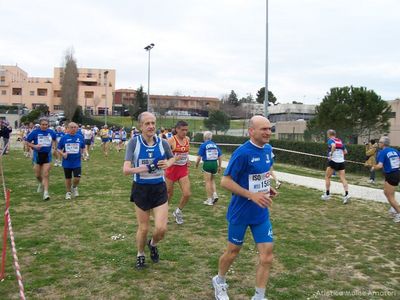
[(106, 107), (266, 65), (148, 48)]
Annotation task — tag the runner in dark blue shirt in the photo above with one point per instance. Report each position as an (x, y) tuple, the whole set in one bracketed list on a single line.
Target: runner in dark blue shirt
[(248, 178), (389, 160)]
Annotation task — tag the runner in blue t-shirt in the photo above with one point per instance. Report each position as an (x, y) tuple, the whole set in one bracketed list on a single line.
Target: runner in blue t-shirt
[(389, 160), (42, 140), (71, 147), (210, 153), (248, 178), (59, 134)]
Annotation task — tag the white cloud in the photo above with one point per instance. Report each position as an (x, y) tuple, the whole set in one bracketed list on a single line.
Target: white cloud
[(210, 47)]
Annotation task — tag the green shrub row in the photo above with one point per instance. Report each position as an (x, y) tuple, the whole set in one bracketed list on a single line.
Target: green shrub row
[(355, 152)]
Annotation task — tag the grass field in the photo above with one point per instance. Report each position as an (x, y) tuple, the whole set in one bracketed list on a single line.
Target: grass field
[(195, 124), (85, 248)]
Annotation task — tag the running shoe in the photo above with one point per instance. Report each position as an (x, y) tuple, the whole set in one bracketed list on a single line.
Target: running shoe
[(140, 262), (68, 196), (255, 298), (153, 252), (346, 199), (392, 212), (325, 197), (46, 196), (278, 185), (215, 198), (209, 202), (220, 289), (75, 191), (178, 216), (396, 218)]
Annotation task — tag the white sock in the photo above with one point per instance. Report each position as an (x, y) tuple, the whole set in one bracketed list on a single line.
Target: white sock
[(140, 254), (259, 294)]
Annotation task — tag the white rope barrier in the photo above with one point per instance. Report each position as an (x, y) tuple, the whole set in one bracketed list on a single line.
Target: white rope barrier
[(286, 150), (10, 230)]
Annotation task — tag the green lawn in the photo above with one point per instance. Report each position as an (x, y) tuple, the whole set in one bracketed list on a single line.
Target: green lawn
[(66, 249)]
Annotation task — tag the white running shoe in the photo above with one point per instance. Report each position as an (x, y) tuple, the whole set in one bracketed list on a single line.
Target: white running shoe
[(220, 289), (215, 197), (278, 185), (209, 202), (39, 188), (371, 181), (178, 216), (75, 191), (392, 212), (68, 196), (46, 196), (346, 199), (396, 218), (255, 298), (325, 197)]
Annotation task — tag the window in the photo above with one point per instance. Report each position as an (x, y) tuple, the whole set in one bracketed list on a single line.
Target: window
[(58, 107), (2, 79), (32, 93), (17, 91), (42, 92), (89, 94), (57, 94), (3, 92), (392, 115)]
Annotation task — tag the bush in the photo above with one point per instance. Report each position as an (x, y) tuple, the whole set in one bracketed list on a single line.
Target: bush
[(355, 152)]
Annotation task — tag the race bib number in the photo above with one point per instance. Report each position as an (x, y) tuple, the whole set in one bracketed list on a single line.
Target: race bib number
[(212, 154), (183, 159), (395, 162), (146, 175), (259, 183), (44, 140), (72, 148)]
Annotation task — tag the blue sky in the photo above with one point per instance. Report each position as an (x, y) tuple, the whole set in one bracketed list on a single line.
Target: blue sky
[(209, 47)]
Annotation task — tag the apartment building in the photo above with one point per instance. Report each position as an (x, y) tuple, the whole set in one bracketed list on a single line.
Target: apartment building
[(95, 89), (194, 105)]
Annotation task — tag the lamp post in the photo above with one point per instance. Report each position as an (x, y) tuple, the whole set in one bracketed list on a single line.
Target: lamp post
[(105, 100), (148, 48), (266, 65)]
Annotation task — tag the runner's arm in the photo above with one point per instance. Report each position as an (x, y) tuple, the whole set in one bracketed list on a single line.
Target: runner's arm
[(129, 170)]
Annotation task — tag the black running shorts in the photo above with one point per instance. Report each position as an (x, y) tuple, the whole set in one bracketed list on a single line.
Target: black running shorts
[(336, 166), (68, 172), (41, 158), (393, 178), (148, 196)]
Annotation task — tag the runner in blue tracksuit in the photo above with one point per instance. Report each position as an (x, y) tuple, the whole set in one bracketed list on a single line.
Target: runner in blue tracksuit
[(389, 160), (248, 178), (71, 147), (42, 140)]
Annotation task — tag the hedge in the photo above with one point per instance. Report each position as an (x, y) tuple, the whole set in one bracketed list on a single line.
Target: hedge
[(355, 152)]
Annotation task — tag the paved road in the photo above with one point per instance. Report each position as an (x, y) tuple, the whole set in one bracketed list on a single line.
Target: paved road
[(355, 191)]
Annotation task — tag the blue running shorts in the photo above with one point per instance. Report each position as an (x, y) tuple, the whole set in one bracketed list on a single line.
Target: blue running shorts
[(262, 233)]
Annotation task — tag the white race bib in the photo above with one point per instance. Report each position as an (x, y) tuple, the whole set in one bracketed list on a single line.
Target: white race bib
[(212, 154), (259, 182), (44, 140), (394, 162), (72, 148), (183, 159), (146, 175)]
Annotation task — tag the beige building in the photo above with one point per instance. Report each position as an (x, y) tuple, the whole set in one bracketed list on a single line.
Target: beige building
[(95, 92), (394, 133)]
